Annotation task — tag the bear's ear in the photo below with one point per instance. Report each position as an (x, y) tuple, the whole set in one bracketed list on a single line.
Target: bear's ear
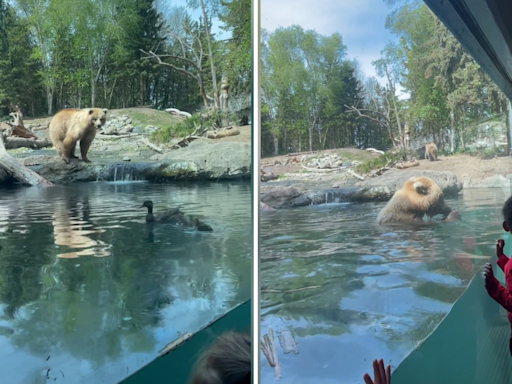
[(105, 110), (91, 111)]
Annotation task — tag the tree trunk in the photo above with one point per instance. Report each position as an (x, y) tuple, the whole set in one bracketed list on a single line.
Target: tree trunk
[(49, 100), (452, 131), (212, 65), (20, 172), (93, 91), (392, 89)]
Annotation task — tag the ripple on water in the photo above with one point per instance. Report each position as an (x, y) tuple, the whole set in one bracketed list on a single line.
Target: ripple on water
[(85, 280), (351, 291)]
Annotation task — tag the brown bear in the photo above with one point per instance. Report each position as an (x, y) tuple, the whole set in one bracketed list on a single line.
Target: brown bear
[(431, 152), (71, 125), (419, 196)]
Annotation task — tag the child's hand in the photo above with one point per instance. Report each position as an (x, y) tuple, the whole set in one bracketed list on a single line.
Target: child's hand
[(488, 273), (381, 375), (500, 244)]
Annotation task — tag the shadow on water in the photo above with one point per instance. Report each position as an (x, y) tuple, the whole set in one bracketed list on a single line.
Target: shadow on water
[(90, 293), (350, 291)]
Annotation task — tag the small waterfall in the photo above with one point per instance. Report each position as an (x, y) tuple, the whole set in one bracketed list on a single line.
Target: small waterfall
[(124, 173)]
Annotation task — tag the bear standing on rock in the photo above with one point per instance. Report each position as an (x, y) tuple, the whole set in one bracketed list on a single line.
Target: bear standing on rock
[(419, 196), (71, 125)]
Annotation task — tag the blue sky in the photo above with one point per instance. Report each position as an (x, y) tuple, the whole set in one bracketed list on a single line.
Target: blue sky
[(196, 14), (361, 25)]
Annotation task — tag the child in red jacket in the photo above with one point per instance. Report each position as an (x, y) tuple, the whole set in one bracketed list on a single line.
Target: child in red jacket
[(500, 294)]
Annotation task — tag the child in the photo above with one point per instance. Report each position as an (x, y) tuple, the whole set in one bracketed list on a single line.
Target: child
[(500, 294), (227, 361)]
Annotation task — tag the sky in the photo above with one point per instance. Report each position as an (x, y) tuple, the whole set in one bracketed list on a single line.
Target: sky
[(165, 5), (361, 26)]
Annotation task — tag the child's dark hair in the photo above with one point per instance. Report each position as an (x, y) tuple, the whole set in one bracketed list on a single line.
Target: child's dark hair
[(227, 361), (507, 212)]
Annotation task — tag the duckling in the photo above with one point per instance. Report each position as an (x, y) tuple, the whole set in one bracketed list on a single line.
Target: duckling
[(174, 216)]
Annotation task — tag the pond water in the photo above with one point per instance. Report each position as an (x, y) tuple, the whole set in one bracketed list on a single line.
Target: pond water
[(89, 293), (350, 291)]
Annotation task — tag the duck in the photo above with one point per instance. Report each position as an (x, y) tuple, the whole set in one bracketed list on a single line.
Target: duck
[(175, 216)]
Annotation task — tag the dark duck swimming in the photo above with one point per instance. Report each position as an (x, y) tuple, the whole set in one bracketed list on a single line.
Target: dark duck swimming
[(174, 216)]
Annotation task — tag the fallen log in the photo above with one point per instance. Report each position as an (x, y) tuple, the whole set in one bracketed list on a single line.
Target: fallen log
[(20, 142), (320, 170), (357, 176), (373, 150), (197, 134), (407, 165), (151, 145), (18, 171), (20, 131), (177, 112), (107, 137), (218, 134)]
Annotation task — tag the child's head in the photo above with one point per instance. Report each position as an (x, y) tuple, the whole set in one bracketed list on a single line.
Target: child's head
[(507, 215), (227, 361)]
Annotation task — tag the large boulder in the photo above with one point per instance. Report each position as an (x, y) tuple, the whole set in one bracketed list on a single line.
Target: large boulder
[(394, 179), (280, 197), (296, 195), (212, 159)]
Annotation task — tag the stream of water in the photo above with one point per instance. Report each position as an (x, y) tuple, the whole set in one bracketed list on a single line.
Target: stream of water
[(89, 293), (348, 291)]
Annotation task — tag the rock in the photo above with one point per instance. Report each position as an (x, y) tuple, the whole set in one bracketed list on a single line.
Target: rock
[(296, 195), (138, 129), (496, 181), (335, 186), (150, 129), (110, 130), (35, 160), (126, 158), (3, 176), (127, 129), (221, 159), (264, 207), (346, 163), (394, 179), (284, 197)]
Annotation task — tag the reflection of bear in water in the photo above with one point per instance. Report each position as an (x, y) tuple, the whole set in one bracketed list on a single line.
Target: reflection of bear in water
[(69, 126), (419, 196)]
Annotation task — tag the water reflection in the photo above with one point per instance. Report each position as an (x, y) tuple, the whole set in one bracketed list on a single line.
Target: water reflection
[(349, 291), (71, 228), (70, 317)]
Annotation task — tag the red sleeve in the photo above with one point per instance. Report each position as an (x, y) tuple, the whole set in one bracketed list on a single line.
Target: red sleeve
[(500, 294), (502, 260)]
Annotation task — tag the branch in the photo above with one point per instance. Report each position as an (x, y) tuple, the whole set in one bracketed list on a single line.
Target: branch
[(358, 111), (152, 55)]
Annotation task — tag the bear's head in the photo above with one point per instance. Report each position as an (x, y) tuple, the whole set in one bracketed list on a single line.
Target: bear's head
[(97, 117)]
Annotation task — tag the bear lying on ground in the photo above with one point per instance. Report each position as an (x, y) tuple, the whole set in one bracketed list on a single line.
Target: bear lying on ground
[(418, 196), (69, 126)]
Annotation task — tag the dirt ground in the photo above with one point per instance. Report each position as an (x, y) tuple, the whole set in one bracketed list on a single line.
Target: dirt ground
[(462, 165)]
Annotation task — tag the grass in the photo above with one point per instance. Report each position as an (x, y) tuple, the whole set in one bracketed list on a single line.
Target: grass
[(376, 163), (139, 116)]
